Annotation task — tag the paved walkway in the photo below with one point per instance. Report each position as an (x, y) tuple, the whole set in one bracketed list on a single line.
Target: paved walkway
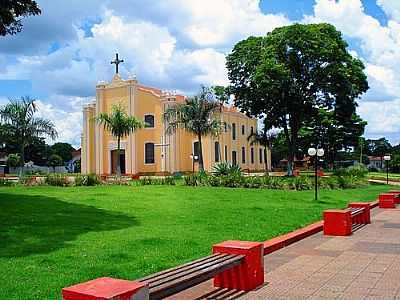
[(365, 265), (383, 181)]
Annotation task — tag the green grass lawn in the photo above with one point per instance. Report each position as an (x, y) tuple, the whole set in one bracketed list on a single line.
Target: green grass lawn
[(53, 237)]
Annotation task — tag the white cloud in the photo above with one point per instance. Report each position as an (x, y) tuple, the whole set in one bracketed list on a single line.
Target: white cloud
[(67, 123), (227, 21), (391, 8)]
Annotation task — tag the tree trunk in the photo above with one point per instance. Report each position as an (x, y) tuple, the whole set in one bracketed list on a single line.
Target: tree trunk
[(291, 150), (265, 162), (22, 162), (201, 164), (118, 157)]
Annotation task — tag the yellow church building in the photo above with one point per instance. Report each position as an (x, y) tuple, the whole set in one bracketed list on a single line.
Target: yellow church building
[(151, 150)]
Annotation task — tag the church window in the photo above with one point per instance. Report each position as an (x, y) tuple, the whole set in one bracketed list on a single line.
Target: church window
[(149, 153), (149, 121)]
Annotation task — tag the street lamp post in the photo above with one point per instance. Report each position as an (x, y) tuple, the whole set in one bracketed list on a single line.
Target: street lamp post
[(316, 153), (387, 159), (194, 158)]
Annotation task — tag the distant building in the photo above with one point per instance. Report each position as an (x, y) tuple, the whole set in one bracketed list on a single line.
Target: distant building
[(376, 162), (71, 165)]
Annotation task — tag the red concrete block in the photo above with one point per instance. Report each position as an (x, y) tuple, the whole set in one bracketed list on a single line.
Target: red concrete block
[(365, 217), (396, 197), (247, 276), (337, 222), (285, 240), (387, 200), (107, 288)]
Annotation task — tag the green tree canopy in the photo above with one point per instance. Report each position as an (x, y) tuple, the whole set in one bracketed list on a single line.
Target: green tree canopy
[(13, 160), (64, 150), (55, 161), (198, 115), (22, 126), (332, 132), (291, 73), (13, 11)]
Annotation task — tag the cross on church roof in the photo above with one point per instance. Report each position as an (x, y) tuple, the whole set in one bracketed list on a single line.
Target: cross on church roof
[(117, 61)]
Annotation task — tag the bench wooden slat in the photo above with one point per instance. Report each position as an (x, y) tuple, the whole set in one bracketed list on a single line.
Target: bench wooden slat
[(184, 266), (356, 226), (357, 211), (172, 287), (182, 273)]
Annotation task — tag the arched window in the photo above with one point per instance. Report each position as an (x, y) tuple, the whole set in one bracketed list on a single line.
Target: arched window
[(196, 150), (252, 155), (243, 155), (234, 159), (216, 151), (233, 131), (149, 121), (149, 153)]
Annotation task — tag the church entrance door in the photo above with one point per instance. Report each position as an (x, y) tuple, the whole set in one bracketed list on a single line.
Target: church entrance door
[(114, 158)]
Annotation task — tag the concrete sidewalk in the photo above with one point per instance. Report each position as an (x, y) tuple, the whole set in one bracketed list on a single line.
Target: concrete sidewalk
[(365, 265)]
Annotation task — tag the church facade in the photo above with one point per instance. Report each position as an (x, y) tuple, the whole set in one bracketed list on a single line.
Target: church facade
[(151, 150)]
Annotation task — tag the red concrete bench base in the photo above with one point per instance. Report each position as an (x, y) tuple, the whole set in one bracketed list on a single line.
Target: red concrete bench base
[(337, 222), (107, 288), (387, 200), (341, 222), (396, 194), (247, 276)]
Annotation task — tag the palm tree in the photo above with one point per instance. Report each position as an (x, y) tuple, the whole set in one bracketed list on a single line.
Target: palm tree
[(120, 125), (265, 138), (198, 115), (22, 126)]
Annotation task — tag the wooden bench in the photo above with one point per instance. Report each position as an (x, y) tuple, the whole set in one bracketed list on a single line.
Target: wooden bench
[(235, 265), (175, 280), (343, 222)]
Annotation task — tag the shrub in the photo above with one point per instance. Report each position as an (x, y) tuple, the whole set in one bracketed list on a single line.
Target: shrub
[(358, 170), (299, 183), (272, 182), (87, 180), (253, 182), (4, 182), (57, 180), (169, 180), (226, 169), (191, 180)]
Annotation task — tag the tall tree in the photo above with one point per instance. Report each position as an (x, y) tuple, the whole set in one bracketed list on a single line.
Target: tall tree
[(198, 115), (12, 12), (64, 150), (333, 132), (18, 116), (291, 73), (120, 125), (55, 161), (379, 147), (265, 138)]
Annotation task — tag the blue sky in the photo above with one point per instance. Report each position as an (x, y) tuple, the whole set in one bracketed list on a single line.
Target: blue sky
[(181, 44)]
